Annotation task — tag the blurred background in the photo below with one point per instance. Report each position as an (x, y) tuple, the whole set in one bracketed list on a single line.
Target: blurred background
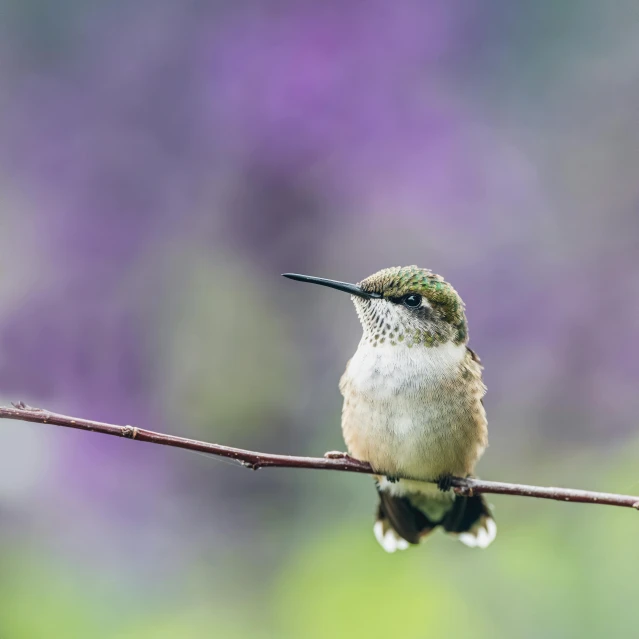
[(161, 163)]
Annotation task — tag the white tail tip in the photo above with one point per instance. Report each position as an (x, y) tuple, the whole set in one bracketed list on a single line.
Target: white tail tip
[(388, 539), (481, 535)]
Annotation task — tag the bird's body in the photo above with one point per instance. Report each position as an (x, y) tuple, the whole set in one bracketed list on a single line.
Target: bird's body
[(413, 406)]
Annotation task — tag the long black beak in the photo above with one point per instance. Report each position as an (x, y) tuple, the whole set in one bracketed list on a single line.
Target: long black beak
[(340, 286)]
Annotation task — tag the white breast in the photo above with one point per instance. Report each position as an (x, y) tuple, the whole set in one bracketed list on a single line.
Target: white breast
[(384, 371), (409, 411)]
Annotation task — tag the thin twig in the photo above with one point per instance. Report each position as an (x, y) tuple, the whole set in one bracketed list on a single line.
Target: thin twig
[(255, 461)]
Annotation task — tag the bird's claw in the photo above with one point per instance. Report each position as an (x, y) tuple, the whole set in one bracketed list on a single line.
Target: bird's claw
[(445, 483), (336, 454)]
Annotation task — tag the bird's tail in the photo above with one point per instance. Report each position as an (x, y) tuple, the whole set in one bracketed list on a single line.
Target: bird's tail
[(408, 519)]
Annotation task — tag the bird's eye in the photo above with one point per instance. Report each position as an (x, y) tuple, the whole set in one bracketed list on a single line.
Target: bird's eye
[(412, 301)]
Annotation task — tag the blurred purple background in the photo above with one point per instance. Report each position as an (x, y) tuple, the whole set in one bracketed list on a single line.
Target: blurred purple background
[(162, 163)]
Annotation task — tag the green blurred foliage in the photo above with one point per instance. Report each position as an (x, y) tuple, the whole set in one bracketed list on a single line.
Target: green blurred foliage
[(235, 344), (44, 600), (341, 585), (554, 571)]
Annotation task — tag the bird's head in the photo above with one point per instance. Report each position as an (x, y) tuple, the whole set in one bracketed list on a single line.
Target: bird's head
[(404, 305)]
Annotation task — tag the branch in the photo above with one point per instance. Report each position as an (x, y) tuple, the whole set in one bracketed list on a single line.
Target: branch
[(255, 461)]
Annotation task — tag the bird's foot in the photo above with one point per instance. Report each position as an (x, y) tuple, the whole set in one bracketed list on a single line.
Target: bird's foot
[(445, 483), (392, 479), (336, 454)]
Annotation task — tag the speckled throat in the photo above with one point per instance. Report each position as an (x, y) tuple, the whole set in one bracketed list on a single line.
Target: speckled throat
[(439, 319), (386, 323)]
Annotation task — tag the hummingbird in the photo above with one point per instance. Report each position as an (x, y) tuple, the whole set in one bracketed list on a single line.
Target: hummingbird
[(413, 406)]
